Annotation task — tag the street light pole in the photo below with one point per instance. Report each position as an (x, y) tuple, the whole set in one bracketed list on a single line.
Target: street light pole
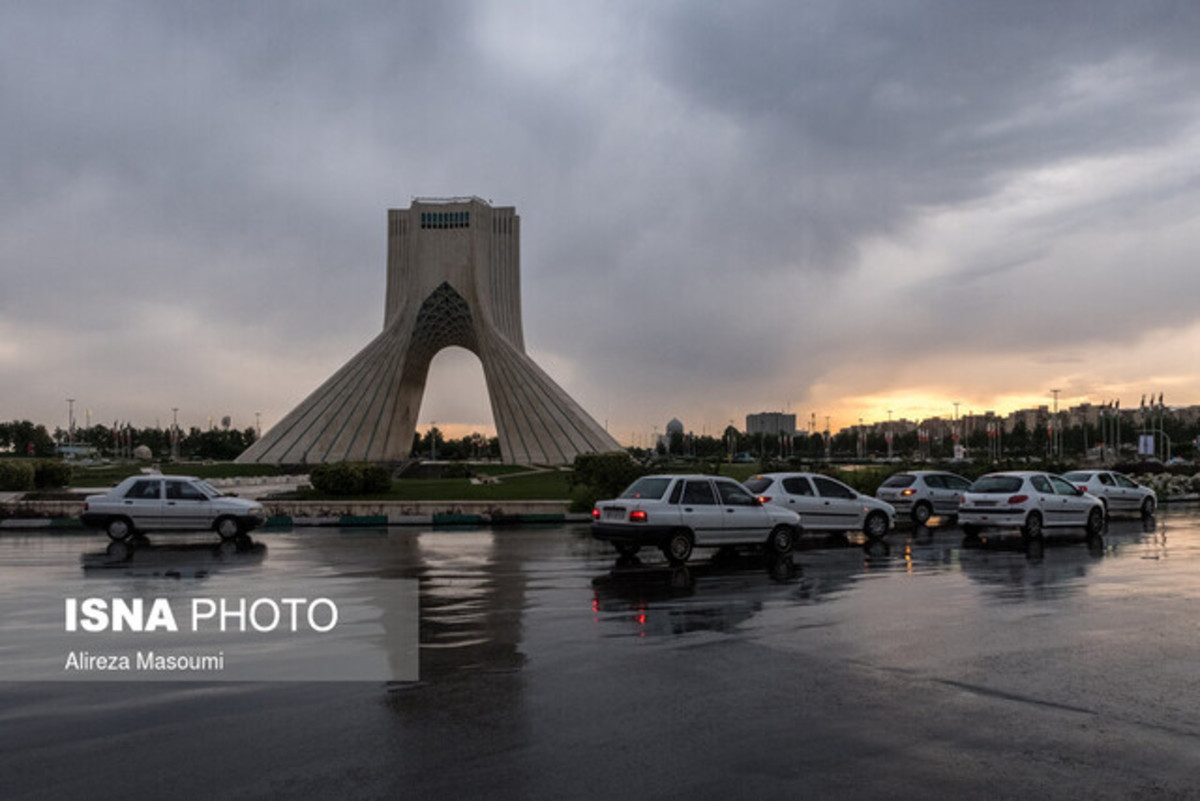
[(890, 434), (71, 424), (1055, 443)]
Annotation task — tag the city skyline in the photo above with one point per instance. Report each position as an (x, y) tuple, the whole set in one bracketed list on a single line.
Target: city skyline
[(817, 207)]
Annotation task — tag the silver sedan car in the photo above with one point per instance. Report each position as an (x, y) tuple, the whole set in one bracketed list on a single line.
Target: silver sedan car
[(922, 494), (1117, 492)]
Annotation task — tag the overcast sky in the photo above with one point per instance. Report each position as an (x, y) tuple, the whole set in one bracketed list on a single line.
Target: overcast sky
[(829, 207)]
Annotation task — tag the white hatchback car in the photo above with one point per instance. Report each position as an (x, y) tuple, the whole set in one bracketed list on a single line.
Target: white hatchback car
[(1031, 501), (677, 513), (921, 494), (169, 503), (824, 503), (1117, 492)]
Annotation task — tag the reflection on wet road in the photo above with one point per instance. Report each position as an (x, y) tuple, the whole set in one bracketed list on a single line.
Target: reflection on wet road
[(550, 668)]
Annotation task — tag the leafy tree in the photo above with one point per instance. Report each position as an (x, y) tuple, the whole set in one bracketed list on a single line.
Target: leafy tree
[(601, 475)]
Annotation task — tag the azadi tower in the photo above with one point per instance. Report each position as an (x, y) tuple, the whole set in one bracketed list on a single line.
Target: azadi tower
[(453, 278)]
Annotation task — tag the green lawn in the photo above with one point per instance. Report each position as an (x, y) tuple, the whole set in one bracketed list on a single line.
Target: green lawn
[(109, 475)]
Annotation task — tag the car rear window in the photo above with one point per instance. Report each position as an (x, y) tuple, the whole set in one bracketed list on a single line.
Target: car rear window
[(652, 488), (996, 484), (899, 480), (1077, 476), (757, 484)]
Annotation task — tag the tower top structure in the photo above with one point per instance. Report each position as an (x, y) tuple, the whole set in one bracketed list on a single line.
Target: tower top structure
[(453, 279)]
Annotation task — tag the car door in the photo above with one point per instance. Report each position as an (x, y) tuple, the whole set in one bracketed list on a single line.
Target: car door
[(955, 486), (143, 503), (799, 496), (1113, 495), (1131, 493), (745, 519), (1076, 504), (1052, 505), (185, 506), (839, 504), (700, 511)]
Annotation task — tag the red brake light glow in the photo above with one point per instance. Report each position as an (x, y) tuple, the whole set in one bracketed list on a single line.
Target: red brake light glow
[(637, 516), (764, 498), (1015, 499), (909, 491), (595, 514)]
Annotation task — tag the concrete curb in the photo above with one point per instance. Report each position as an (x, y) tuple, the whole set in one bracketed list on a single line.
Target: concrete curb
[(284, 522)]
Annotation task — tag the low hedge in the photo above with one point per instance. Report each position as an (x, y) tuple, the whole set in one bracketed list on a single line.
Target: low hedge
[(16, 476), (51, 474), (350, 478)]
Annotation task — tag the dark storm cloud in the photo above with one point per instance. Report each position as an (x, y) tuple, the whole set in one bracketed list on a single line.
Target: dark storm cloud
[(694, 179)]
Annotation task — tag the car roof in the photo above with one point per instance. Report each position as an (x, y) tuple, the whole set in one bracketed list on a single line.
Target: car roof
[(145, 476), (786, 475), (681, 475)]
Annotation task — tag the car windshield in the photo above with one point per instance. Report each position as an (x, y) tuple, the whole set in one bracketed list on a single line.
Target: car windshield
[(757, 484), (899, 480), (208, 489), (996, 484), (650, 487)]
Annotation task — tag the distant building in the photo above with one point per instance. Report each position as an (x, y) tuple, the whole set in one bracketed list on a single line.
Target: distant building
[(771, 423)]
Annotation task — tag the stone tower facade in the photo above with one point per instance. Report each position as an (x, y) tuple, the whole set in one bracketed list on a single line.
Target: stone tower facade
[(453, 278)]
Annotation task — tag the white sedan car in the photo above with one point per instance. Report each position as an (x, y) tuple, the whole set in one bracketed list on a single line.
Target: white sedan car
[(679, 513), (169, 503), (1118, 493), (1030, 501), (921, 494), (824, 503)]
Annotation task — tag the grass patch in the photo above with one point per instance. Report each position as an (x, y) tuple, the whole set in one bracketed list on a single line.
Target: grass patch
[(109, 475)]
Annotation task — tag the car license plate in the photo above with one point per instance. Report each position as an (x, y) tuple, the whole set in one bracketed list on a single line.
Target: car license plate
[(614, 514)]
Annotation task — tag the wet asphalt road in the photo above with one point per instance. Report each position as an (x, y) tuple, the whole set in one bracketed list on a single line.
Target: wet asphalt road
[(930, 668)]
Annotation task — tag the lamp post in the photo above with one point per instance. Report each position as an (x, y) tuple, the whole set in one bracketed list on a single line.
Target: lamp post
[(71, 424), (890, 434), (1055, 443)]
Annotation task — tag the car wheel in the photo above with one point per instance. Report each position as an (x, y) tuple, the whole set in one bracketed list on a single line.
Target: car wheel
[(921, 513), (781, 540), (119, 529), (1148, 507), (876, 525), (1095, 522), (678, 548), (228, 528), (1032, 529), (627, 548)]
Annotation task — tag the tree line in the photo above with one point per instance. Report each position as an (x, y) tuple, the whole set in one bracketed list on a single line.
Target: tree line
[(24, 438)]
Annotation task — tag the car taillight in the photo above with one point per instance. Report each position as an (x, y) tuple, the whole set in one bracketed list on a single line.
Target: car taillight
[(764, 498), (637, 516), (1083, 488), (908, 492), (1015, 499), (595, 514)]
